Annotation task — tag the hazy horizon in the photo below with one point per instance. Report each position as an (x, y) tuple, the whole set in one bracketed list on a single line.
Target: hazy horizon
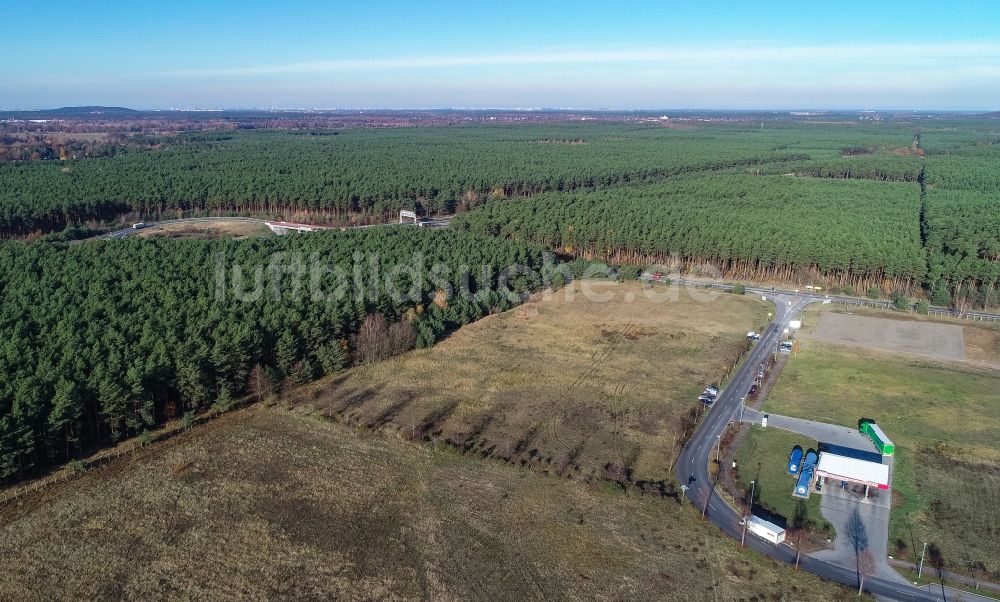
[(579, 55), (525, 109)]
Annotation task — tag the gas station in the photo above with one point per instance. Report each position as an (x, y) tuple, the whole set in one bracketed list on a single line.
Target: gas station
[(853, 470)]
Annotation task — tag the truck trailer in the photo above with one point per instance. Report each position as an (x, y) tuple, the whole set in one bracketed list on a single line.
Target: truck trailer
[(764, 529), (882, 443)]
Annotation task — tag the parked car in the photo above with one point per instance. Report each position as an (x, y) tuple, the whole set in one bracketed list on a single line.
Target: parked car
[(709, 394), (753, 336)]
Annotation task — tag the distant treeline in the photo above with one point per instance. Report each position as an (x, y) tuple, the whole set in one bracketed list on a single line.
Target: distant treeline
[(941, 233), (330, 174)]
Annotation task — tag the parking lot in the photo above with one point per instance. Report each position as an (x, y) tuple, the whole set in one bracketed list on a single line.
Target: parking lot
[(942, 341)]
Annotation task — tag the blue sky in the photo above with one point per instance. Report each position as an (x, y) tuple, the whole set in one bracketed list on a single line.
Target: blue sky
[(666, 54)]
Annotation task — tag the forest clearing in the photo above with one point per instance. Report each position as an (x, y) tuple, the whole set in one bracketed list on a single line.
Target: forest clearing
[(584, 389)]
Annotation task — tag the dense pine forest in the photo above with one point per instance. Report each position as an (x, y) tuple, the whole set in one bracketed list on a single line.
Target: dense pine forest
[(961, 196), (857, 233), (329, 175), (103, 340)]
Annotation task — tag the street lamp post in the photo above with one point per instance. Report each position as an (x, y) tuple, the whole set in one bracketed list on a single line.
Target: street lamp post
[(743, 539), (920, 569)]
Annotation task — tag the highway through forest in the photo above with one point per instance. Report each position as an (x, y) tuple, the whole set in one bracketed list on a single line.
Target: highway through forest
[(692, 466)]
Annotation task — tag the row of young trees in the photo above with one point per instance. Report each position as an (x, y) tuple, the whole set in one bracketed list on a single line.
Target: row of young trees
[(332, 174), (868, 167), (103, 340), (857, 233)]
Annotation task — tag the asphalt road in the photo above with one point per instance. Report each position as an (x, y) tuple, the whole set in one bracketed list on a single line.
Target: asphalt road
[(692, 467), (857, 301), (820, 431)]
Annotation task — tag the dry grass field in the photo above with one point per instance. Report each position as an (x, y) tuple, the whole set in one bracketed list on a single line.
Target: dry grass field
[(943, 416), (579, 388), (264, 503), (205, 230)]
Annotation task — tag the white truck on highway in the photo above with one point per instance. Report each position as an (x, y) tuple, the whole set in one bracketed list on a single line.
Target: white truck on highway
[(764, 529)]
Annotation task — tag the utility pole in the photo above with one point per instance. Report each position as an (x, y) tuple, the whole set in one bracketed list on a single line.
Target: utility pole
[(920, 569), (913, 540), (718, 450)]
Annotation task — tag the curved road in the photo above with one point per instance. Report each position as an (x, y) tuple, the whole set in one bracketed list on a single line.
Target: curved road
[(936, 310), (692, 467)]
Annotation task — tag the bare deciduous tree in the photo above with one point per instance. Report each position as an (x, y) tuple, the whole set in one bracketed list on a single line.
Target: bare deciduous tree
[(857, 536), (259, 383), (866, 567), (377, 339), (372, 342), (402, 337)]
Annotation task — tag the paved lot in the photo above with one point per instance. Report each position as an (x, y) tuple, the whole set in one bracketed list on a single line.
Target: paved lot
[(820, 431), (944, 341), (864, 524)]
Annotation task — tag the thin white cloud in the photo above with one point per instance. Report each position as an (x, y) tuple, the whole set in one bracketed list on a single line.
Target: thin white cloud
[(910, 53)]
